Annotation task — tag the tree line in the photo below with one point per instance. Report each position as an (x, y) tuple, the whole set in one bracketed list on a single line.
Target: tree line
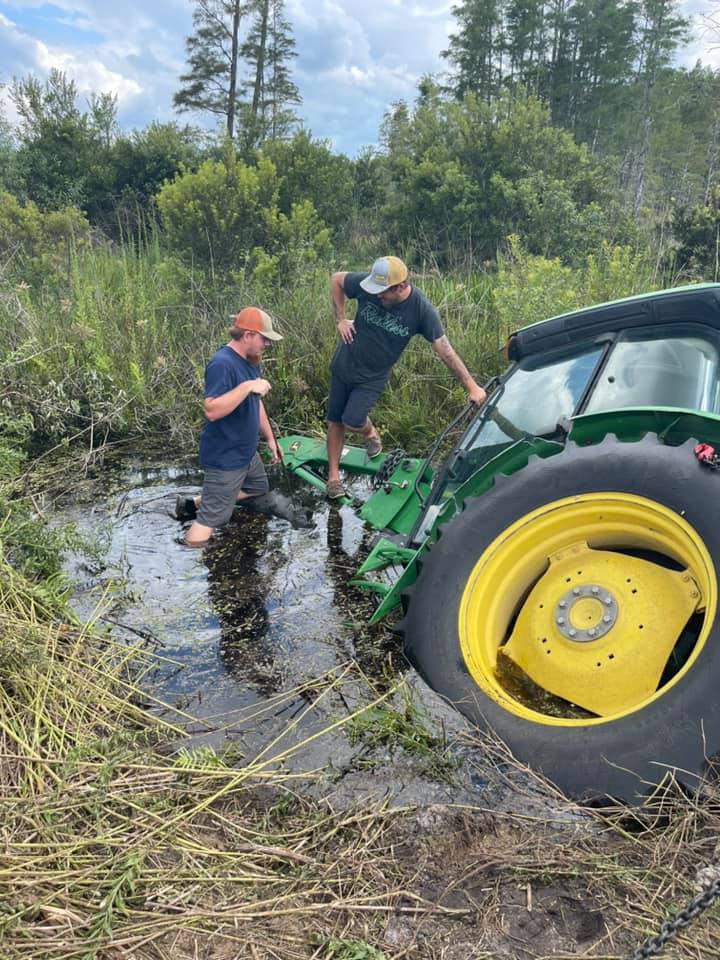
[(561, 123)]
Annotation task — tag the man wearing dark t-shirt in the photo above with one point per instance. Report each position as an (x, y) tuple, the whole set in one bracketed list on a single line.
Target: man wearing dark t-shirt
[(389, 312)]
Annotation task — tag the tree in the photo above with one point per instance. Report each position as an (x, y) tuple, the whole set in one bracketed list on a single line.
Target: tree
[(660, 31), (269, 91), (63, 154), (8, 156), (308, 170), (225, 218), (464, 176), (475, 51), (210, 83), (142, 162)]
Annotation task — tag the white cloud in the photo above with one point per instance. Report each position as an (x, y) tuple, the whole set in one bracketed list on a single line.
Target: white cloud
[(354, 59)]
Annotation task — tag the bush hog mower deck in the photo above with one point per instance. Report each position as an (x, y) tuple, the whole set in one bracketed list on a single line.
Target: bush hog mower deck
[(558, 575)]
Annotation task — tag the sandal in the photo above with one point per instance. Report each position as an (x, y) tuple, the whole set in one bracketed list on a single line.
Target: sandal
[(334, 489), (373, 447)]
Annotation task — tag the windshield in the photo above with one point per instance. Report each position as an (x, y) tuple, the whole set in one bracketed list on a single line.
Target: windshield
[(536, 394), (533, 399), (659, 368)]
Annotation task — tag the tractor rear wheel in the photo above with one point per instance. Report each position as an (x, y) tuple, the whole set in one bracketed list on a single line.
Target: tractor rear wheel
[(572, 610)]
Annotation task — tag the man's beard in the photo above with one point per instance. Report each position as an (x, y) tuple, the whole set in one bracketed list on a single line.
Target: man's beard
[(253, 358)]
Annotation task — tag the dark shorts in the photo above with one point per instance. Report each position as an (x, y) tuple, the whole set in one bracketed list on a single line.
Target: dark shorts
[(350, 403), (221, 488)]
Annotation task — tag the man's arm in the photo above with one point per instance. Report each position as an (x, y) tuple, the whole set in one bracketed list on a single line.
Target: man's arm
[(345, 327), (215, 408), (452, 361), (268, 436)]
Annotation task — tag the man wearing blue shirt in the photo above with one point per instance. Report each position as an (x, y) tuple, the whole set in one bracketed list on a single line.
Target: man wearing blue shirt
[(389, 312), (234, 419)]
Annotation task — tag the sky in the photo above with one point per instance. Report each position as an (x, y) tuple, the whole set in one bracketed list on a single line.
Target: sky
[(354, 60)]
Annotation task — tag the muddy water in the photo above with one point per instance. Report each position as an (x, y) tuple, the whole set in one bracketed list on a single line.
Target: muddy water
[(239, 626)]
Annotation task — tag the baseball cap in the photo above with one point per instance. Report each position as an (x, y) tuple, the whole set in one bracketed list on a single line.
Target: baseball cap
[(253, 318), (386, 272)]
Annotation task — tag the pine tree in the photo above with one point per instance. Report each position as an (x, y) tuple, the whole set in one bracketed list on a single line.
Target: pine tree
[(210, 83), (269, 91), (476, 50)]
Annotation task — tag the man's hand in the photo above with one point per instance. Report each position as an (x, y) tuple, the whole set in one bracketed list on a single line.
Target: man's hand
[(260, 386), (477, 395), (346, 329), (275, 451)]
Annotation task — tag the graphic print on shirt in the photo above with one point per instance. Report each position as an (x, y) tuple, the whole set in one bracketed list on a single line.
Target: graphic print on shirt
[(386, 321)]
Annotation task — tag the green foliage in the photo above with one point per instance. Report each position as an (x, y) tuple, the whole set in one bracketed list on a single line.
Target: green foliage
[(344, 949), (267, 112), (403, 728), (63, 154), (36, 245), (530, 288), (466, 175), (217, 216), (307, 169), (141, 163), (209, 84), (698, 232), (225, 218), (116, 901)]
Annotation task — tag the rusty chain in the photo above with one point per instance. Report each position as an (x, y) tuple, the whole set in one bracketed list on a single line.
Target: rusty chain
[(653, 945)]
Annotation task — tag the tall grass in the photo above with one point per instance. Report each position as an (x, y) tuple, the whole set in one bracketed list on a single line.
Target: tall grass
[(114, 342), (118, 841)]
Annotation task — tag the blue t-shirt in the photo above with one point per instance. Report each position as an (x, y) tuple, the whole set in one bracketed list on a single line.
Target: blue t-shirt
[(230, 442), (381, 333)]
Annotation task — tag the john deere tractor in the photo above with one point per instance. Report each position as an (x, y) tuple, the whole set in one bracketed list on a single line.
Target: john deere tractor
[(557, 576)]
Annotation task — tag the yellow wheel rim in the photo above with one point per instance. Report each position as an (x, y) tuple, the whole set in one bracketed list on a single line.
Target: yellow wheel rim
[(586, 622)]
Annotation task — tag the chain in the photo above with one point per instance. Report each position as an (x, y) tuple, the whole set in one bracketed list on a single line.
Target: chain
[(389, 465), (653, 945)]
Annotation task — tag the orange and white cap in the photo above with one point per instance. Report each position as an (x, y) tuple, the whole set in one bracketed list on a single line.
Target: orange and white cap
[(386, 272), (253, 318)]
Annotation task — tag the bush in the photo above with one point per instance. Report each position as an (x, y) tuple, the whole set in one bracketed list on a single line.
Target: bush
[(34, 244)]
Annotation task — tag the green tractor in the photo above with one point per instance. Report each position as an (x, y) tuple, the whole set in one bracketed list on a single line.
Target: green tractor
[(557, 576)]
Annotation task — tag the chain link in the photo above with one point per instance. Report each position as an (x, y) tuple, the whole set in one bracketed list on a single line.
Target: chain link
[(389, 465), (653, 945)]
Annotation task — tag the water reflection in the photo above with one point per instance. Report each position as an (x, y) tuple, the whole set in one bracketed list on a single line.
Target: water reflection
[(240, 564), (375, 649)]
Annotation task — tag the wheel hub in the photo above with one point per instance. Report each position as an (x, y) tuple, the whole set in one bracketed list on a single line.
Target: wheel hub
[(597, 627), (586, 612)]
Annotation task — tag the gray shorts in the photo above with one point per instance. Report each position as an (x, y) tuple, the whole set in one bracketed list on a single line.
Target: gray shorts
[(221, 488)]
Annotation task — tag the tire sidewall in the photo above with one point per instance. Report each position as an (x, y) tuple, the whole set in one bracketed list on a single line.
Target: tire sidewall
[(675, 730)]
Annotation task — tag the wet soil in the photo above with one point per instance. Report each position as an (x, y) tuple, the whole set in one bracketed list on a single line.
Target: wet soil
[(262, 647), (260, 640)]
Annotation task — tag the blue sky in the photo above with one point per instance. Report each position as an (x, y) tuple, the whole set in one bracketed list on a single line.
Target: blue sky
[(354, 59)]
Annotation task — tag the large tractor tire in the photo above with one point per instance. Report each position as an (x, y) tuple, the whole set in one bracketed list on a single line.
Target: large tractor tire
[(572, 611)]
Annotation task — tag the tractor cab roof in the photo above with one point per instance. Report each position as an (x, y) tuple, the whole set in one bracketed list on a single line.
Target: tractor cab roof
[(695, 303)]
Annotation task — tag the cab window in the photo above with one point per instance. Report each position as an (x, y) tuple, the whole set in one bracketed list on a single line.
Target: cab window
[(659, 367)]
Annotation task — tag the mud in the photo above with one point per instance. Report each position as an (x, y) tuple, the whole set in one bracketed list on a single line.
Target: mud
[(259, 637)]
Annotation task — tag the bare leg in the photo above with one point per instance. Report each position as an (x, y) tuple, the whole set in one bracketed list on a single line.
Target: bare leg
[(368, 431), (198, 534), (335, 441)]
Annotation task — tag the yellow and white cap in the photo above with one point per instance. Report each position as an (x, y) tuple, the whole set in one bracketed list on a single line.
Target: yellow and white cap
[(386, 272)]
